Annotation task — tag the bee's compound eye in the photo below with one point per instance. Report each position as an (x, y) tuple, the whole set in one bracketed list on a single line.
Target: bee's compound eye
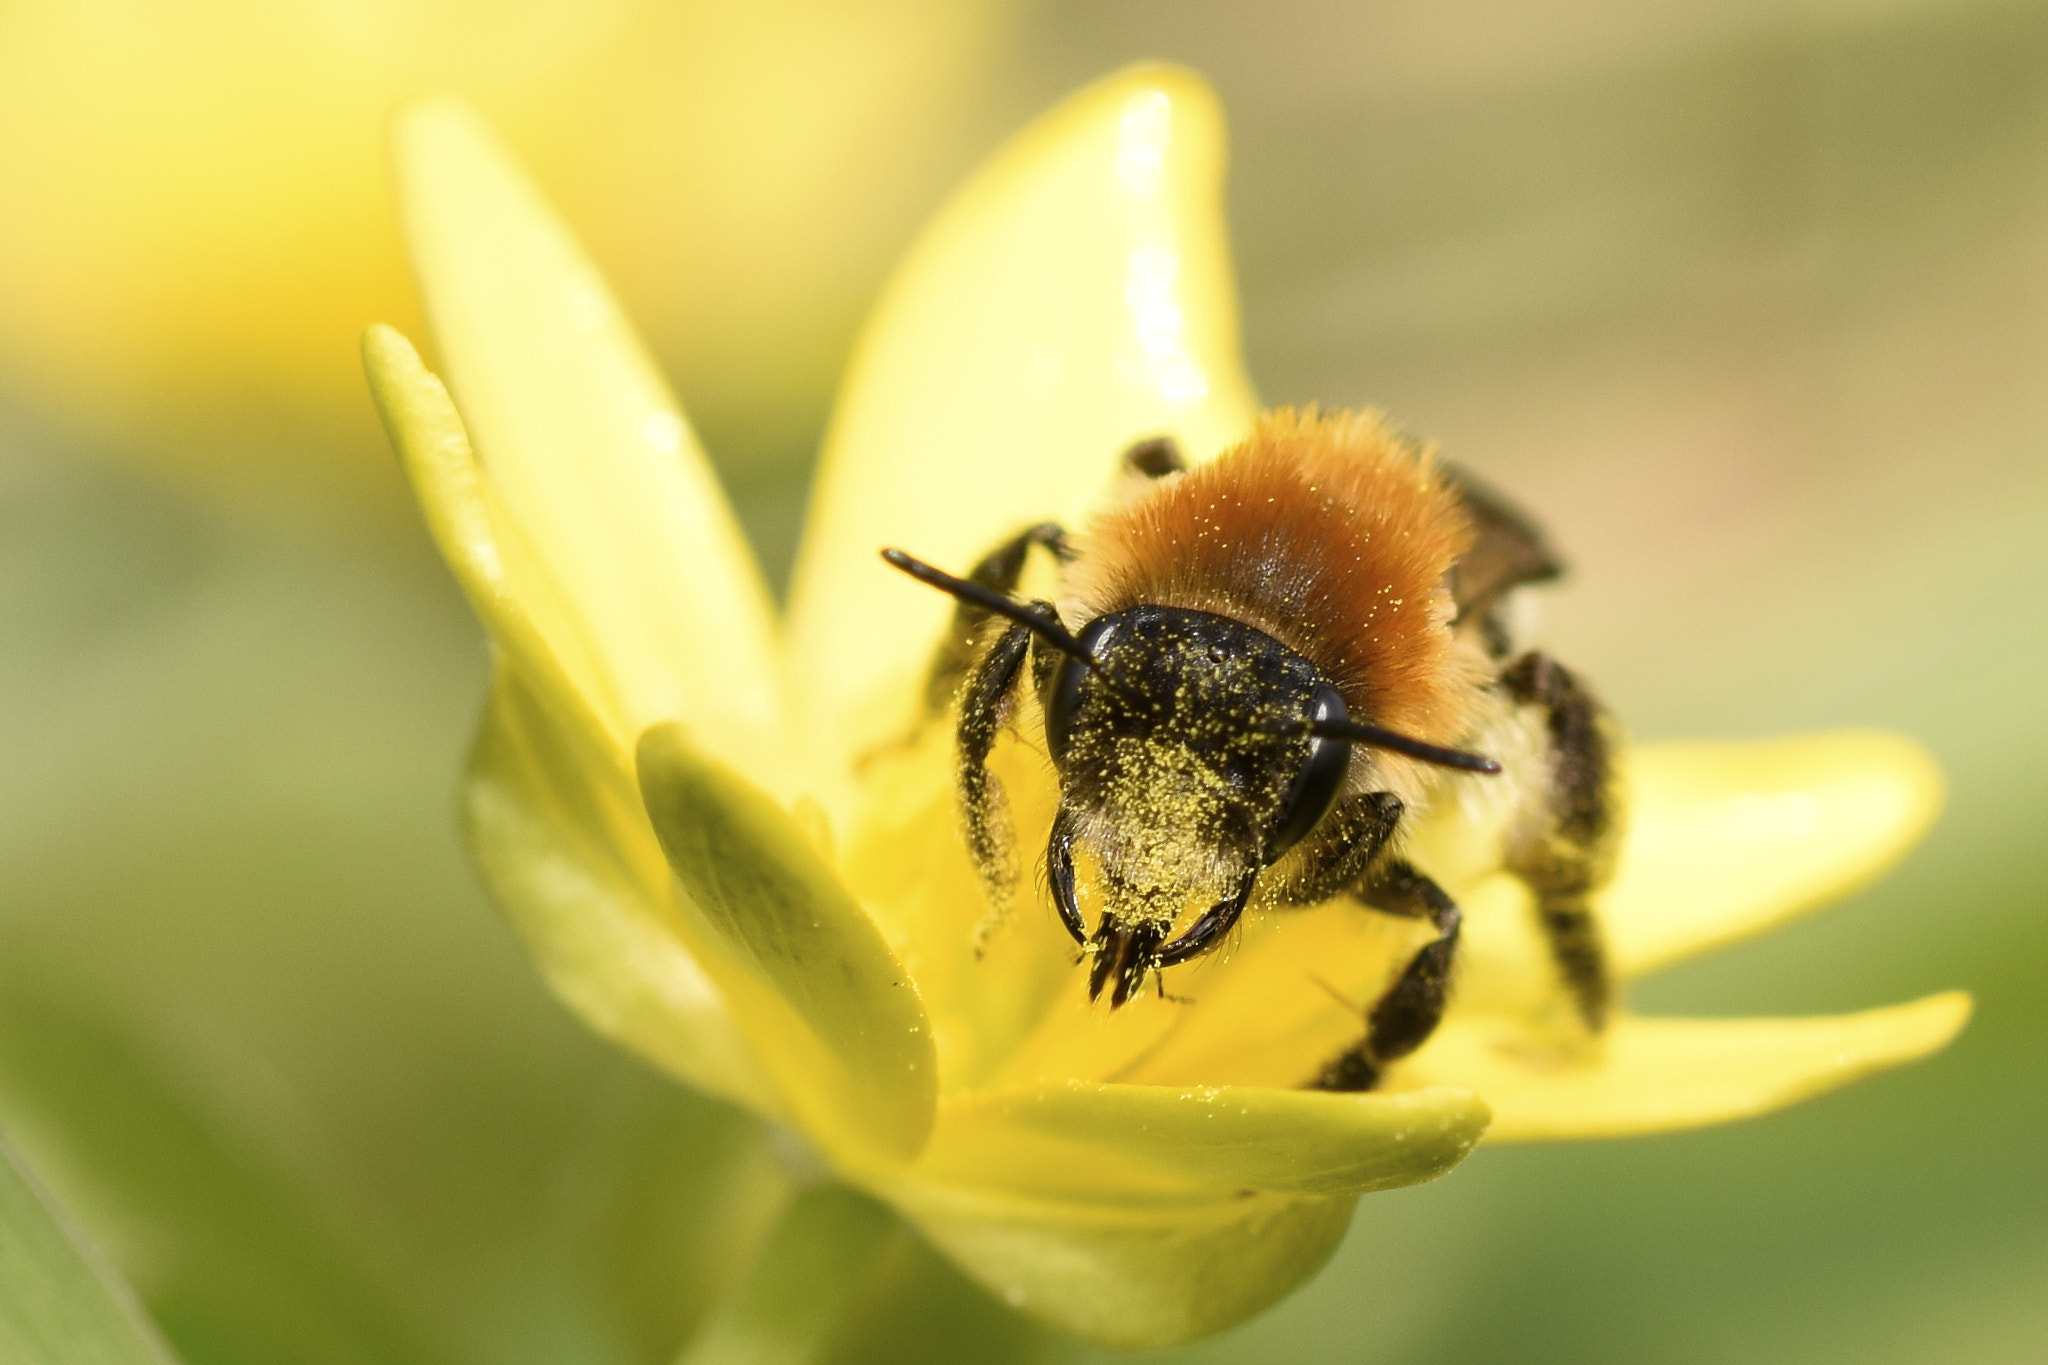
[(1062, 697), (1321, 779)]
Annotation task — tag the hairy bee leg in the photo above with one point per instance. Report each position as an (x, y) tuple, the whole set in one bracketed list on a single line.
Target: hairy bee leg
[(1568, 850), (1002, 569), (1413, 1006), (1358, 828), (984, 814)]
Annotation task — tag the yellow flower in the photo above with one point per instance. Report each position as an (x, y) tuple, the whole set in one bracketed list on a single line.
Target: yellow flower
[(706, 825), (195, 209)]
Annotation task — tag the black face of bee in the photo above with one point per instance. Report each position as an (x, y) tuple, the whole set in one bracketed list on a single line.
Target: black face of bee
[(1186, 765), (1189, 691)]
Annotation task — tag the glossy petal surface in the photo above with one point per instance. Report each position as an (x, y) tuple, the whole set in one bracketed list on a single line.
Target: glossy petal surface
[(1073, 297), (1140, 1143), (585, 448), (831, 1012), (1727, 840), (1659, 1075)]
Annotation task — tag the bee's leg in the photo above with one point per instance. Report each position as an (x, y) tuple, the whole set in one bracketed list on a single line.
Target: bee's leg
[(1409, 1012), (984, 815), (1567, 849), (1351, 837), (1002, 569)]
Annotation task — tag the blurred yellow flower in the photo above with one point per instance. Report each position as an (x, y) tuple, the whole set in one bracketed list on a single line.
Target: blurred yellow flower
[(196, 209), (677, 798)]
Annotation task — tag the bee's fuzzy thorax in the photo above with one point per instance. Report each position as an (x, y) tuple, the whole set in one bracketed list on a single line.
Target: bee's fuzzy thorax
[(1330, 533)]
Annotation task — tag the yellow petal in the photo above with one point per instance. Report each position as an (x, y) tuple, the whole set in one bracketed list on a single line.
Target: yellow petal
[(1289, 996), (1657, 1075), (1133, 1143), (830, 1011), (553, 815), (1130, 1277), (196, 206), (585, 448), (1726, 840), (1074, 296), (557, 831), (1080, 1039), (510, 591), (904, 861)]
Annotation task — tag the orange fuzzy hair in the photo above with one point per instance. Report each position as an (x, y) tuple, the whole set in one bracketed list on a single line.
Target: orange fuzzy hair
[(1331, 534)]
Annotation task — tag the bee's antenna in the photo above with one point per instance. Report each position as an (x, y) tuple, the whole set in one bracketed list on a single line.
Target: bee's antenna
[(1375, 738), (1039, 623)]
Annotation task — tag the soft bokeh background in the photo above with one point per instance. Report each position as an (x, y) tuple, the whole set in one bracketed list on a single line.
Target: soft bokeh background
[(1748, 299)]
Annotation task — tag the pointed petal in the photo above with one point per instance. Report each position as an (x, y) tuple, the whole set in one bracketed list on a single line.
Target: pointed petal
[(1659, 1075), (556, 829), (552, 813), (1130, 1277), (584, 446), (1728, 840), (1073, 297), (556, 820), (512, 594), (1086, 1141), (829, 1009)]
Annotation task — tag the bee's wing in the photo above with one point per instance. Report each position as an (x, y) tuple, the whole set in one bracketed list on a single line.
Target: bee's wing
[(1507, 553)]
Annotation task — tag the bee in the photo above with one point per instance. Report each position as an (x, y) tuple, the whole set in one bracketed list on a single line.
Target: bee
[(1260, 670)]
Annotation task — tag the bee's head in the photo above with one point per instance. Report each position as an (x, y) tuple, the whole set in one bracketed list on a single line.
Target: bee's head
[(1184, 750), (1185, 766)]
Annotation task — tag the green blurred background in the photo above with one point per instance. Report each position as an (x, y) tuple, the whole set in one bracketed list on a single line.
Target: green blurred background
[(1748, 299)]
